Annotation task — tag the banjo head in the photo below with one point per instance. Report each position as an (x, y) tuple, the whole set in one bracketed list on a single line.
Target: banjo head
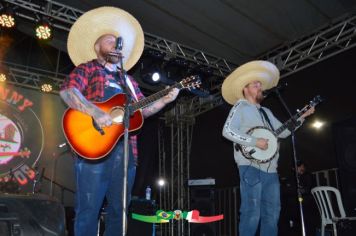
[(259, 155)]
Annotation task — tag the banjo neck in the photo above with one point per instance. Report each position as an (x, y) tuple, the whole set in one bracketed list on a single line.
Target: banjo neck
[(293, 121)]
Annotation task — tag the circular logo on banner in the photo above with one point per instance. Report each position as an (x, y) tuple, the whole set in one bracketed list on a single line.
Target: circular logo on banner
[(21, 138)]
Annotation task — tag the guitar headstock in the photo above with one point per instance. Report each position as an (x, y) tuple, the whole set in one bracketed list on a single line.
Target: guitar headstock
[(191, 82)]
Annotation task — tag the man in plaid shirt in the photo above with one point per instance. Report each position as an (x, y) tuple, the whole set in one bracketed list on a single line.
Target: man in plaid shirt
[(91, 79), (98, 80)]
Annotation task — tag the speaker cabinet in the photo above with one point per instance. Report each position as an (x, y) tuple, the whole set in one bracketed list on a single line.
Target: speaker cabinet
[(202, 198), (345, 145), (31, 215)]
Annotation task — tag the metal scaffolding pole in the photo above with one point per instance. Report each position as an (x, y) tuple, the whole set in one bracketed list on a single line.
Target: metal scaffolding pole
[(176, 133)]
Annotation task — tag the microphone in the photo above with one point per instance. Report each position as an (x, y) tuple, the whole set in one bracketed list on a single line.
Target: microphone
[(265, 93), (119, 43)]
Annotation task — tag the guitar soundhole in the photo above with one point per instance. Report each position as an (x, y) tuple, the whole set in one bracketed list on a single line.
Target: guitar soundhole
[(117, 114)]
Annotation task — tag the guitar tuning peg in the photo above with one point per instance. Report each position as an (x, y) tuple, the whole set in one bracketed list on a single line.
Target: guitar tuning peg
[(298, 110)]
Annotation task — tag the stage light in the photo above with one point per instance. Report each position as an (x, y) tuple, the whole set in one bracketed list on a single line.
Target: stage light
[(161, 182), (318, 124), (2, 77), (7, 18), (151, 67), (46, 88), (152, 76), (155, 76), (43, 29)]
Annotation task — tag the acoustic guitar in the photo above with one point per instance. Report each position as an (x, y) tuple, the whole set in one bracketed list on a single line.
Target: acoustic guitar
[(90, 142)]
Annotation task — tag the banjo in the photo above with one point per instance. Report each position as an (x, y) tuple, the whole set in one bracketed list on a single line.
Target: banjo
[(263, 156)]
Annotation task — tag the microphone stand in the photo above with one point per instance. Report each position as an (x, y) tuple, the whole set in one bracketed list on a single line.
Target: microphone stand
[(55, 155), (37, 180), (126, 122), (292, 130)]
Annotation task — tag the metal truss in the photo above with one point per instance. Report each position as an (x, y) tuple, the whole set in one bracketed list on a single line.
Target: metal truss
[(219, 66), (63, 17), (324, 43), (196, 106), (30, 77)]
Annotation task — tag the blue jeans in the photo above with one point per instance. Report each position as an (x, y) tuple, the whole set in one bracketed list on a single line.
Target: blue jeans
[(95, 180), (260, 202)]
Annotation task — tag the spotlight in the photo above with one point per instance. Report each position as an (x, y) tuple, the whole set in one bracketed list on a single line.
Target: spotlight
[(43, 29), (161, 182), (2, 77), (152, 77), (46, 88), (317, 124), (155, 76), (7, 18), (150, 66)]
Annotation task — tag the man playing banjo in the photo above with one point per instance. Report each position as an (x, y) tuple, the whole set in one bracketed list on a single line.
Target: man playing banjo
[(259, 183)]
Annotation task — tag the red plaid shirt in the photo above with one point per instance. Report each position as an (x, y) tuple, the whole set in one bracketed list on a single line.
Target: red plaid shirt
[(89, 78)]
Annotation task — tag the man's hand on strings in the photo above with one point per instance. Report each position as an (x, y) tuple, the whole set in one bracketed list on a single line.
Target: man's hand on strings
[(171, 96), (308, 112), (102, 118)]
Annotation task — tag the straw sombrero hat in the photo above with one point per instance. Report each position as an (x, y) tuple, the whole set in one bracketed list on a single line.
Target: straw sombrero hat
[(105, 20), (263, 71)]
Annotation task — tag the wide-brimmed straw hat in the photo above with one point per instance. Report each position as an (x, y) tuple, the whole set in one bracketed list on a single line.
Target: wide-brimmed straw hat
[(100, 21), (263, 71)]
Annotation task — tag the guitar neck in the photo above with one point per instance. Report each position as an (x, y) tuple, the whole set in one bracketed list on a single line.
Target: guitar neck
[(154, 97)]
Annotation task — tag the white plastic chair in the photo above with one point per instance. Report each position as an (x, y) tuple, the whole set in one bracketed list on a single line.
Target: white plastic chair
[(323, 198)]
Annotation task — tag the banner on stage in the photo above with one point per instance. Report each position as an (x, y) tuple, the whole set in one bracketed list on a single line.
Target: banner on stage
[(21, 137)]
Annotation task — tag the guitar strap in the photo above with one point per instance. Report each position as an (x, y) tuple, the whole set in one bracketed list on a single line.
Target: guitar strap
[(129, 83), (265, 117)]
